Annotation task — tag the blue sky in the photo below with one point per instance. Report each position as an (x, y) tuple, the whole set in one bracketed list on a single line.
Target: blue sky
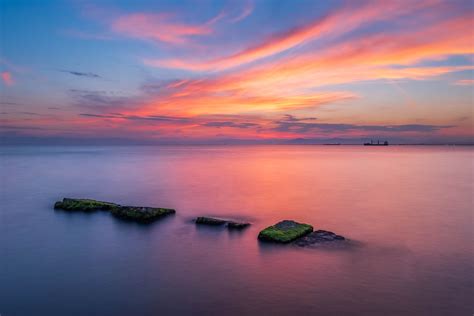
[(236, 71)]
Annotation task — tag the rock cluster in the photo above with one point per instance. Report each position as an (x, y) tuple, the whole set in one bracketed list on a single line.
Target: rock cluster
[(301, 234), (135, 213), (286, 231)]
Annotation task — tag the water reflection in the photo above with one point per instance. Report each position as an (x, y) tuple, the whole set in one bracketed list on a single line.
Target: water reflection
[(408, 212)]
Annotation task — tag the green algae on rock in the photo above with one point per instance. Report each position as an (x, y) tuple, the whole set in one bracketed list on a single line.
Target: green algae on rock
[(285, 231), (84, 205), (210, 221), (139, 213), (204, 220)]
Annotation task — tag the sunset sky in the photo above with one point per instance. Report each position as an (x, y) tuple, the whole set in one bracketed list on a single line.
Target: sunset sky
[(228, 71)]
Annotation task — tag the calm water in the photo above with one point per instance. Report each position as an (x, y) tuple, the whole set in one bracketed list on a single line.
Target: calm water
[(409, 208)]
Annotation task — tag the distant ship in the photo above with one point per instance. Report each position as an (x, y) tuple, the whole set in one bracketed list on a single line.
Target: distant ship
[(378, 143)]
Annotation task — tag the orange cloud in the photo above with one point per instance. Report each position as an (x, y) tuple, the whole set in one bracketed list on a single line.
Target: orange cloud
[(7, 78), (369, 58), (157, 27), (284, 84), (213, 103), (288, 83)]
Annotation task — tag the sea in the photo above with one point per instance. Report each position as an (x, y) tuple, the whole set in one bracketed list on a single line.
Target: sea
[(407, 212)]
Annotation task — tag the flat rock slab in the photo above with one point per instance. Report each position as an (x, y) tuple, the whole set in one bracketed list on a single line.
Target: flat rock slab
[(136, 213), (210, 221), (204, 220), (285, 231), (140, 213), (237, 225), (319, 237)]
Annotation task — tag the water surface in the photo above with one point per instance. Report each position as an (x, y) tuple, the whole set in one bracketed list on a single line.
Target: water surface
[(408, 208)]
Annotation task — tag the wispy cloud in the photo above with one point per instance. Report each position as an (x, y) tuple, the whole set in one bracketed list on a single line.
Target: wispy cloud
[(81, 74), (158, 118), (220, 124), (340, 21), (158, 27), (104, 101), (300, 126), (465, 82), (247, 10)]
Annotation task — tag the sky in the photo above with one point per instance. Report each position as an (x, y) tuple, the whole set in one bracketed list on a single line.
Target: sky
[(236, 71)]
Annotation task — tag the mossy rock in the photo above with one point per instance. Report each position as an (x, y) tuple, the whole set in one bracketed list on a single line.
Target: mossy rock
[(210, 221), (84, 205), (140, 214), (285, 231), (136, 213)]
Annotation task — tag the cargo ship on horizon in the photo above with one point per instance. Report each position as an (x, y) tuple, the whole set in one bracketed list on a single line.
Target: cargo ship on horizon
[(378, 143)]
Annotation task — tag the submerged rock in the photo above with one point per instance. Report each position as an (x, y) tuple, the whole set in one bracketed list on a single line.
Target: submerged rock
[(139, 213), (204, 220), (319, 237), (285, 231), (237, 225), (84, 205), (210, 221), (136, 213)]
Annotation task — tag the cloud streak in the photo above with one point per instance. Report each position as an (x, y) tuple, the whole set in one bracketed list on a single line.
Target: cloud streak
[(299, 126), (81, 74), (465, 82), (247, 10), (158, 27)]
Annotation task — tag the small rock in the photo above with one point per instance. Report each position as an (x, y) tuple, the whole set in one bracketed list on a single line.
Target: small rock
[(319, 237), (140, 213), (237, 225), (84, 205), (210, 221), (217, 221)]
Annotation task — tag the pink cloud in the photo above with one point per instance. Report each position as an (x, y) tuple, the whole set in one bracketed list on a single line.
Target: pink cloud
[(247, 10), (158, 27), (465, 82), (337, 22), (7, 78)]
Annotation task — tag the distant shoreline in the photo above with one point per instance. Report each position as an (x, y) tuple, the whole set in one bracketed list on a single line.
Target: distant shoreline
[(217, 145)]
